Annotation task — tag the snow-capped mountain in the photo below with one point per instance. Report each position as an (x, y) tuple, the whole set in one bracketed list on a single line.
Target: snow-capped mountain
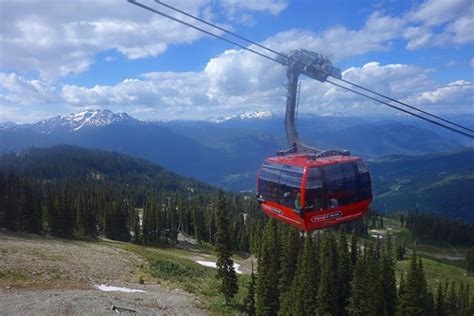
[(88, 118), (246, 116)]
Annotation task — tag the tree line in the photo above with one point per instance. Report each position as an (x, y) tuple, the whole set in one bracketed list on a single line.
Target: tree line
[(438, 229), (69, 208), (324, 273)]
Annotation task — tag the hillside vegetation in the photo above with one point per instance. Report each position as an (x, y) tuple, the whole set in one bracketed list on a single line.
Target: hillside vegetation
[(441, 183)]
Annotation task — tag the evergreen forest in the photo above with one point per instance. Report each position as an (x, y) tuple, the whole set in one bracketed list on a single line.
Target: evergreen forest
[(69, 192)]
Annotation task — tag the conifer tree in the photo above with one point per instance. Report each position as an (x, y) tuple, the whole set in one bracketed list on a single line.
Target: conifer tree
[(359, 301), (137, 234), (309, 276), (267, 298), (388, 279), (328, 287), (344, 273), (440, 309), (464, 304), (249, 301), (290, 245), (354, 247), (401, 287), (291, 301), (414, 300), (223, 243), (452, 300), (375, 278)]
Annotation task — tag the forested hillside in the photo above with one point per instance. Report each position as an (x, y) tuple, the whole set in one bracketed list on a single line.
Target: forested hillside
[(441, 183), (68, 191), (71, 192)]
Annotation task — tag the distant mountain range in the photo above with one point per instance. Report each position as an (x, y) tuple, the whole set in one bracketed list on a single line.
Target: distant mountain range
[(225, 152)]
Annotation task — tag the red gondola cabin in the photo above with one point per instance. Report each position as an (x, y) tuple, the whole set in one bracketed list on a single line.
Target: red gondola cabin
[(313, 193)]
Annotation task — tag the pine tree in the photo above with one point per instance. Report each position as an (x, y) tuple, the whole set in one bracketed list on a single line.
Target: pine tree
[(147, 223), (440, 309), (415, 299), (375, 293), (452, 300), (290, 245), (354, 247), (388, 280), (328, 286), (137, 234), (249, 301), (344, 273), (310, 276), (464, 304), (401, 287), (267, 298), (223, 244), (359, 301)]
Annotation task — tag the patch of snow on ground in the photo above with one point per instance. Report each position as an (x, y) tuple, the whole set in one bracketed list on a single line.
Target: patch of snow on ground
[(377, 236), (108, 288), (213, 265)]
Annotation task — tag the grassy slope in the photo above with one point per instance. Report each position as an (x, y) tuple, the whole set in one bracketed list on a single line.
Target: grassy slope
[(440, 263), (176, 268)]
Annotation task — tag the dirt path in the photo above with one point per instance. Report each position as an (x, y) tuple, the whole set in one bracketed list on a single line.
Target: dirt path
[(47, 276)]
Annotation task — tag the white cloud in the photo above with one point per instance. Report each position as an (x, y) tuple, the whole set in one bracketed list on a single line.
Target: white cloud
[(454, 94), (199, 95), (339, 42), (396, 80), (440, 23), (436, 12), (166, 93), (272, 6), (16, 90), (58, 38), (462, 30)]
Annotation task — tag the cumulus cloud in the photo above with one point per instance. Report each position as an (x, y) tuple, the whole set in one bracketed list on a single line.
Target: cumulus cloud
[(58, 38), (200, 95), (436, 12), (272, 6), (340, 42), (399, 81), (454, 94), (440, 23), (17, 90)]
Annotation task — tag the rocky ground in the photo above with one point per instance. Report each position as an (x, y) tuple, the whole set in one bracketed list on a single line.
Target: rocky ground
[(47, 276)]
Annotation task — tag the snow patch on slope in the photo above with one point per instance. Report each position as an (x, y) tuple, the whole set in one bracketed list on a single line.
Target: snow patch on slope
[(108, 288), (211, 264)]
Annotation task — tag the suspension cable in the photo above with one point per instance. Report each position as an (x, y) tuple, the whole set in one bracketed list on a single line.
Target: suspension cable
[(286, 57), (400, 109), (220, 28), (202, 30), (403, 103)]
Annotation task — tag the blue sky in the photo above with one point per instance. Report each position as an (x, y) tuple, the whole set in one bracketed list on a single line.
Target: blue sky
[(65, 57)]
